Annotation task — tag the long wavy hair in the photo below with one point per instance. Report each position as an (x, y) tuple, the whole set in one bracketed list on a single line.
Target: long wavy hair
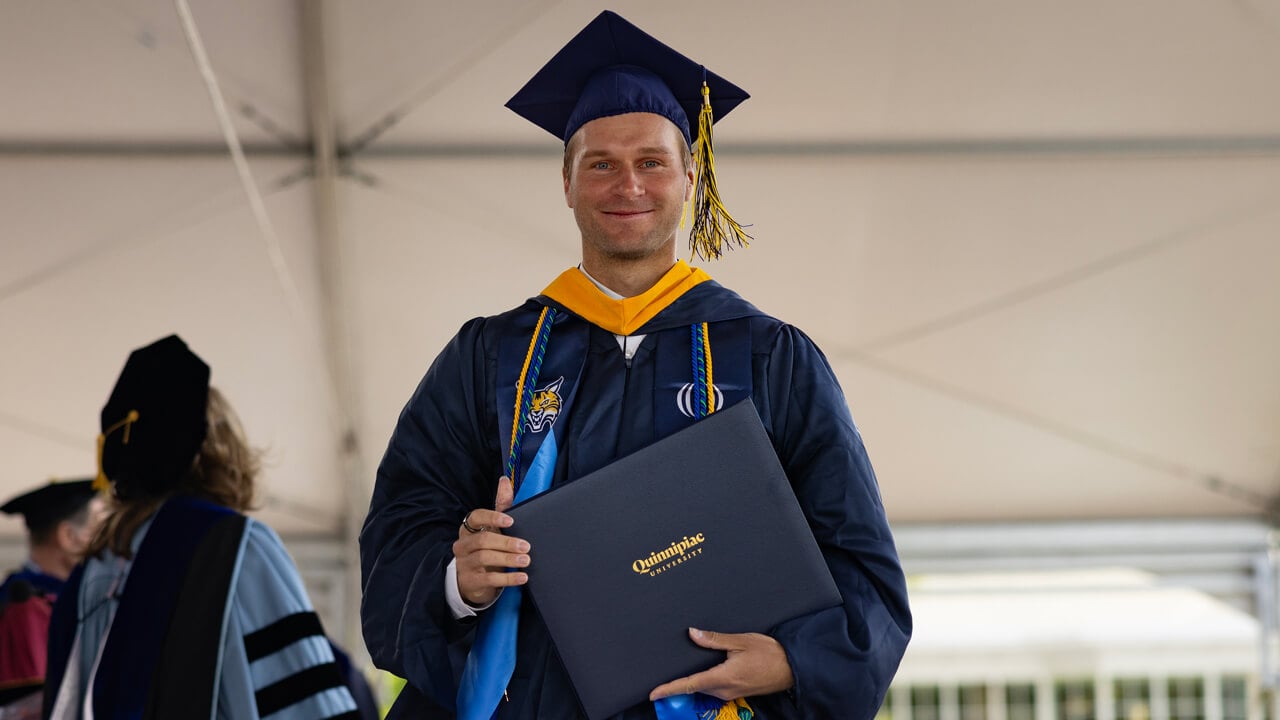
[(224, 472)]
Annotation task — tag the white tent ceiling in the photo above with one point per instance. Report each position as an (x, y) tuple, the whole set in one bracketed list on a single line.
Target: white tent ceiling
[(1039, 241)]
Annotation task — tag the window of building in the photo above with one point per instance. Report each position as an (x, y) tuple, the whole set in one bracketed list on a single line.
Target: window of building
[(973, 702), (1235, 698), (924, 702), (1133, 698), (1186, 698), (1075, 700), (1020, 701)]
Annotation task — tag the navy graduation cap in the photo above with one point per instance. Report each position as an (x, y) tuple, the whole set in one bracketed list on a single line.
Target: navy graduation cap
[(612, 67)]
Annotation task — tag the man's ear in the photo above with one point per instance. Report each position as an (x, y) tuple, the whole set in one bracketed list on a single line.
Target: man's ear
[(65, 536), (565, 176)]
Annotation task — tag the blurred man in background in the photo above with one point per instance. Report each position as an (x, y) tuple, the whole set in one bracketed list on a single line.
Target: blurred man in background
[(61, 519)]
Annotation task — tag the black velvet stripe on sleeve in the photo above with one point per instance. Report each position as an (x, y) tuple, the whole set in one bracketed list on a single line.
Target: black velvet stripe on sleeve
[(297, 687), (353, 715), (281, 634)]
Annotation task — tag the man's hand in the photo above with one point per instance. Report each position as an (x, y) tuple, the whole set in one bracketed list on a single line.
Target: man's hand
[(484, 555), (757, 665)]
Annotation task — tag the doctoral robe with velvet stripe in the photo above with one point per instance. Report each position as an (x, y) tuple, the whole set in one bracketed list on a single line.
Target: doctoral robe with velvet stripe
[(242, 640), (445, 457)]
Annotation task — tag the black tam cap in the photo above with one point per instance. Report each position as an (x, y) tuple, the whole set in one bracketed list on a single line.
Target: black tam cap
[(612, 67), (154, 422), (50, 504)]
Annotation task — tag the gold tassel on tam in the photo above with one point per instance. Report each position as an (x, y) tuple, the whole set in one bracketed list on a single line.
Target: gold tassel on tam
[(102, 483), (713, 228)]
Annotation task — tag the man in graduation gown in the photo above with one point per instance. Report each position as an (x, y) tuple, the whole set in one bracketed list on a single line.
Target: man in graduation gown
[(61, 518), (614, 354)]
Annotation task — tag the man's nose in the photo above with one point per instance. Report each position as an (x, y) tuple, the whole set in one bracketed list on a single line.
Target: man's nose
[(629, 184)]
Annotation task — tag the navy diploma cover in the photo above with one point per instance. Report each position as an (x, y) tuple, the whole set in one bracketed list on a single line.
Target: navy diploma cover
[(700, 529)]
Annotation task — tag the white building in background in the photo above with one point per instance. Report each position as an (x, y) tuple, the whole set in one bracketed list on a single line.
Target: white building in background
[(1109, 644), (1096, 621)]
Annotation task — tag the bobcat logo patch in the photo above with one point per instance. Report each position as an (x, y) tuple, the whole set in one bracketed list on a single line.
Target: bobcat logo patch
[(545, 406), (684, 400)]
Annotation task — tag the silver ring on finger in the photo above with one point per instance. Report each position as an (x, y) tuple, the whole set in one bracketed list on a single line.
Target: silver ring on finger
[(467, 524)]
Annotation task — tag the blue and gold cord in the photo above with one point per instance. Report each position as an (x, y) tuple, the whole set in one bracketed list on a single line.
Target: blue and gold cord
[(707, 707), (528, 381), (704, 393)]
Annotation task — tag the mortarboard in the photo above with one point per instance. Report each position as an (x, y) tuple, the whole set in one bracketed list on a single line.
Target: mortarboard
[(612, 67), (51, 503), (154, 422)]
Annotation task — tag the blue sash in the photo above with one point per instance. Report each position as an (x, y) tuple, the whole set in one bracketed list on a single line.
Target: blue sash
[(493, 654)]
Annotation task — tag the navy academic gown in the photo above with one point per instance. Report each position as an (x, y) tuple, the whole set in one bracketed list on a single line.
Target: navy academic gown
[(445, 457), (40, 581)]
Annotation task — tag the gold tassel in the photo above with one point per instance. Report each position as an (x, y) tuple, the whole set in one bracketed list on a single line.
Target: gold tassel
[(102, 482), (713, 227), (731, 710), (735, 710)]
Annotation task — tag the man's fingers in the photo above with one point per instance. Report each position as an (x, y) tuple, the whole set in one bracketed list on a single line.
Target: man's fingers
[(503, 579), (699, 682), (506, 495), (486, 559), (495, 560), (715, 640), (680, 686), (480, 519), (468, 544), (482, 570), (507, 579), (707, 681), (484, 589), (755, 665)]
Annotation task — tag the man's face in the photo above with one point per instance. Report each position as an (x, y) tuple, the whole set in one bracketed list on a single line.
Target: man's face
[(626, 180), (82, 534)]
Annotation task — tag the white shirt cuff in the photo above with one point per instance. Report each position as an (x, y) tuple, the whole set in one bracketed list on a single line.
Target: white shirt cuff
[(457, 606)]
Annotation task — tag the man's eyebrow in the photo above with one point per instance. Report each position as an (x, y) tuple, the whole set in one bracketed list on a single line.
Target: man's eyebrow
[(654, 150)]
